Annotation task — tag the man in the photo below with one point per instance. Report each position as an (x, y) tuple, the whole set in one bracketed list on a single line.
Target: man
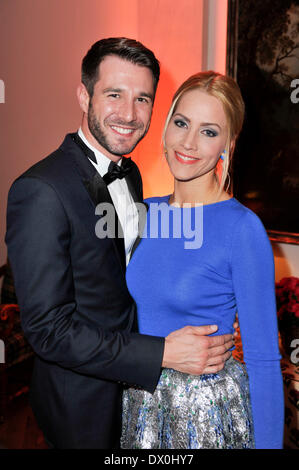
[(75, 307)]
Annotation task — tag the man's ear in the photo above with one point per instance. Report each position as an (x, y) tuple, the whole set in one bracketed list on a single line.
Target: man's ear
[(83, 97)]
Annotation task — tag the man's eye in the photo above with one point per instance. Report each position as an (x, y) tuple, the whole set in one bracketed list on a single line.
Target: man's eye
[(180, 123), (113, 95), (143, 100)]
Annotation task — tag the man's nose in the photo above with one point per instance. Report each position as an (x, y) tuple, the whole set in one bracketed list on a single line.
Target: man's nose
[(127, 111)]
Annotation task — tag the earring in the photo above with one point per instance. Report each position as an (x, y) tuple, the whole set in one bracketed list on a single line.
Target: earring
[(223, 156), (165, 152)]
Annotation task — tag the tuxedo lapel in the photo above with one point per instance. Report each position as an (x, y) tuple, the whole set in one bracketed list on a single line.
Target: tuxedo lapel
[(98, 192)]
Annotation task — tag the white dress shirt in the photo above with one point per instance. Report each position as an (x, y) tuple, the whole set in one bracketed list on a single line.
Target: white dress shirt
[(121, 197)]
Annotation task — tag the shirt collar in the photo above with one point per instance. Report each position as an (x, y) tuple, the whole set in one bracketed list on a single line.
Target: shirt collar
[(103, 162)]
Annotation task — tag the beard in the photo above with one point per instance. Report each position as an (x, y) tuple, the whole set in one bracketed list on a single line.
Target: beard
[(119, 148)]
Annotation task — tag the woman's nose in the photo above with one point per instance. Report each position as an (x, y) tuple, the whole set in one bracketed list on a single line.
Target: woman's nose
[(191, 140)]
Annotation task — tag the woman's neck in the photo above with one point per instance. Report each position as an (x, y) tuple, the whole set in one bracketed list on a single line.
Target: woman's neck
[(197, 191)]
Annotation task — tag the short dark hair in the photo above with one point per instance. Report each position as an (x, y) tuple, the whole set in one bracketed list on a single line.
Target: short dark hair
[(127, 49)]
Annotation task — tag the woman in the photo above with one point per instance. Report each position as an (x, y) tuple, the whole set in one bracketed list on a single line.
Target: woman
[(226, 269)]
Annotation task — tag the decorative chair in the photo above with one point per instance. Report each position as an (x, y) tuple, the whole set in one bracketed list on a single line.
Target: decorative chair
[(287, 299), (15, 348)]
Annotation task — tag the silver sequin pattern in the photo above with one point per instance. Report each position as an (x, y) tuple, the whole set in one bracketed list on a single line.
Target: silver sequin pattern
[(190, 412)]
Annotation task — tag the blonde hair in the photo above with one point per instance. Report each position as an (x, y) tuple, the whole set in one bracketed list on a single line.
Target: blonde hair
[(227, 91)]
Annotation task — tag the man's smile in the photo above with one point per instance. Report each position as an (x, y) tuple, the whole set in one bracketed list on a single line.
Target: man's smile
[(123, 130)]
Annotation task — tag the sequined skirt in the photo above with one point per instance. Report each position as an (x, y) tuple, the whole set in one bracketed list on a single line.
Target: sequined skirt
[(190, 412)]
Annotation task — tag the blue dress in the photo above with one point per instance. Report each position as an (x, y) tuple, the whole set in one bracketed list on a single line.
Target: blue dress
[(202, 265)]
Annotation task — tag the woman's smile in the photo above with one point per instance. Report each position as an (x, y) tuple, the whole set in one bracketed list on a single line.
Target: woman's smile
[(185, 159)]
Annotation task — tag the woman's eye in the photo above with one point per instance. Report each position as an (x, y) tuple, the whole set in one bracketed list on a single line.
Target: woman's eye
[(180, 123), (210, 133)]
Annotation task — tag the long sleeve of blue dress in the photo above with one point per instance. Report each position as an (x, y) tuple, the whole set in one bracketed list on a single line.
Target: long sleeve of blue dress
[(253, 283)]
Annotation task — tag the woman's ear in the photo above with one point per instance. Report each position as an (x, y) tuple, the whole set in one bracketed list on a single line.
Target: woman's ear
[(83, 97)]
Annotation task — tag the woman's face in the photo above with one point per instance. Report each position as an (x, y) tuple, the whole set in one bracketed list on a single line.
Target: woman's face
[(196, 136)]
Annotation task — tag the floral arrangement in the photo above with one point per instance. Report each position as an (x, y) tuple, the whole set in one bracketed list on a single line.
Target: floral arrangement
[(7, 318), (287, 299)]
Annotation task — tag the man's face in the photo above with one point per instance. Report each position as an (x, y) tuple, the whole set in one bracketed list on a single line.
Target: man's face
[(120, 109)]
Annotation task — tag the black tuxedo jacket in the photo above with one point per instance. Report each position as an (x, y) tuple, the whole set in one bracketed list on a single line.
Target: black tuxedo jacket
[(76, 310)]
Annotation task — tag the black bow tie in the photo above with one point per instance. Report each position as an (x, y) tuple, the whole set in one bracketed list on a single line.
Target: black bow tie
[(115, 171)]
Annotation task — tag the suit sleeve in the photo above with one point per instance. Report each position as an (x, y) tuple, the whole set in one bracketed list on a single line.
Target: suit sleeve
[(254, 286), (38, 239)]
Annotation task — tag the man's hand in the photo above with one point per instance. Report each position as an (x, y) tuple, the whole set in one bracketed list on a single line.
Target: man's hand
[(191, 351)]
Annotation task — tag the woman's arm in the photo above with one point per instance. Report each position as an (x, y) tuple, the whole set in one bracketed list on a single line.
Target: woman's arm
[(254, 287)]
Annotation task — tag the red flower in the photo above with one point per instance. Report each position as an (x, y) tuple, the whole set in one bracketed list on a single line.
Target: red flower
[(3, 315), (287, 299), (294, 308), (6, 310)]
